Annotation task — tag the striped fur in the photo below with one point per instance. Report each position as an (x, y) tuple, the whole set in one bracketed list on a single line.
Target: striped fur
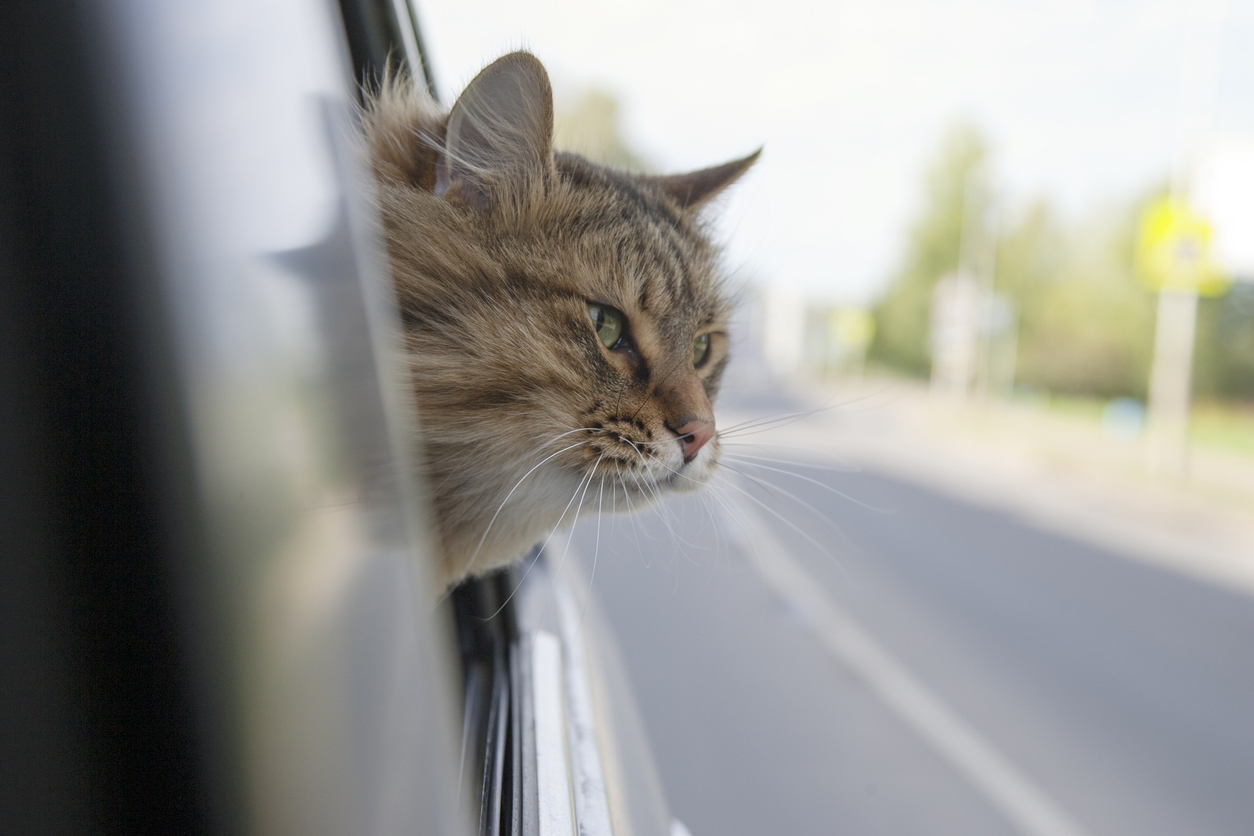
[(497, 246)]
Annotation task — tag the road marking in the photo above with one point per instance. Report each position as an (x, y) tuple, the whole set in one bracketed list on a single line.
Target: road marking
[(552, 769), (990, 772)]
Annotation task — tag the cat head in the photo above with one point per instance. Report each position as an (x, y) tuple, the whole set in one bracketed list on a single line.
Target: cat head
[(566, 323)]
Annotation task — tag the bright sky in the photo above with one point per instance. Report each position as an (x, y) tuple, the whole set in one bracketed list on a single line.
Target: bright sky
[(1080, 99)]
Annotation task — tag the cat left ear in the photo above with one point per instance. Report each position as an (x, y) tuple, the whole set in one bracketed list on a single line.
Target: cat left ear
[(499, 133), (696, 188)]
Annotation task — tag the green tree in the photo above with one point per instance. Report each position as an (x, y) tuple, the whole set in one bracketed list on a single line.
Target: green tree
[(1086, 323), (1224, 360), (957, 191)]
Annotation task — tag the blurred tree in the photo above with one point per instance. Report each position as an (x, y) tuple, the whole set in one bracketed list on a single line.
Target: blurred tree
[(590, 126), (956, 190), (1224, 358), (1086, 325), (1031, 253)]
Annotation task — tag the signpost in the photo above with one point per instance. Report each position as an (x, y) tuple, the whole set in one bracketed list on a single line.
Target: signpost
[(955, 333), (1174, 257)]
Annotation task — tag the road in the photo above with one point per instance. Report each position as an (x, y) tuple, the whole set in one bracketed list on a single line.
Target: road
[(1115, 695)]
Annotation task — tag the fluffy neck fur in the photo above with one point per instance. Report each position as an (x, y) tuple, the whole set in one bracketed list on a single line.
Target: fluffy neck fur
[(498, 247)]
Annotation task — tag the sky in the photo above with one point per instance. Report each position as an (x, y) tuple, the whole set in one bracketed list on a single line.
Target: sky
[(1083, 103)]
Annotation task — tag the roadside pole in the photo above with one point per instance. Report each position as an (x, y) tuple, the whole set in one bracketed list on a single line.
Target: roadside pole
[(1174, 251), (1170, 382), (1174, 258)]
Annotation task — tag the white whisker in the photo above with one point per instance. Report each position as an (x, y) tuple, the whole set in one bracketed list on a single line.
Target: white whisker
[(484, 537), (591, 473), (772, 488), (545, 544), (839, 468), (596, 553), (790, 417), (785, 521), (825, 487)]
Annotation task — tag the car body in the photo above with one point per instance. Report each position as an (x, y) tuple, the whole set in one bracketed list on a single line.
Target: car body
[(216, 610)]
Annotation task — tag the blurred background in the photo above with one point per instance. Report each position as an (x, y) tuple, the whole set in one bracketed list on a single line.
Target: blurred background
[(954, 194), (993, 399)]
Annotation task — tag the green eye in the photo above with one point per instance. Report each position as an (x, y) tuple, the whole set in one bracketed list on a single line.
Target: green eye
[(608, 324), (700, 350)]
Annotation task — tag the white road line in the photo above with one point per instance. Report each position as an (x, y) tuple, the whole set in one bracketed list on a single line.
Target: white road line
[(990, 772)]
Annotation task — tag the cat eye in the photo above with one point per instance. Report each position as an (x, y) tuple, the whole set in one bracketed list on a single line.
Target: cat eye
[(700, 350), (608, 324)]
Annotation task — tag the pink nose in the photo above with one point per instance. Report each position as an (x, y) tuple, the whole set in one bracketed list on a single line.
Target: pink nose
[(693, 436)]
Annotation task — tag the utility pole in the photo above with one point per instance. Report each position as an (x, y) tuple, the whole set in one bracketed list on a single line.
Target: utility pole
[(1182, 259)]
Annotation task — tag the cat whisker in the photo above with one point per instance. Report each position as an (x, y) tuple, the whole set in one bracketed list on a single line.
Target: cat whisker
[(713, 523), (647, 487), (652, 497), (484, 536), (570, 432), (662, 506), (766, 486), (461, 269), (775, 421), (676, 366), (783, 519), (739, 520), (614, 498), (838, 467), (822, 485), (657, 498), (715, 494), (545, 544), (772, 488), (596, 553), (635, 531), (591, 473), (537, 554), (791, 417)]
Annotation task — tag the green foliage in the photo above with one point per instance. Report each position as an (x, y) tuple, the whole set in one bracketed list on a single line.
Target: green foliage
[(1224, 355), (1085, 322), (955, 187), (1086, 325)]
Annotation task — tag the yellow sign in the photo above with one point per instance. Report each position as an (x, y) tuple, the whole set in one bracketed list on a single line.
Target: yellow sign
[(1173, 250), (854, 327)]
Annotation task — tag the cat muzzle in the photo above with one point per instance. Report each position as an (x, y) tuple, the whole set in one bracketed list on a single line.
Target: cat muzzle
[(693, 436)]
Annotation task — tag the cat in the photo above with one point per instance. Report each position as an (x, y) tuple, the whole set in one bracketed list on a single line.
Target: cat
[(565, 324)]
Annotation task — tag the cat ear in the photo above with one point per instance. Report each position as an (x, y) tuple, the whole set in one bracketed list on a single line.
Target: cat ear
[(499, 133), (694, 189)]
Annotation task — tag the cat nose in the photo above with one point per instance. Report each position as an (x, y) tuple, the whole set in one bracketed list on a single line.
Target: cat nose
[(693, 436)]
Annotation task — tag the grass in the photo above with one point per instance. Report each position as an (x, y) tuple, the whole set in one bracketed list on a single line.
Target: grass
[(1220, 426), (1225, 427)]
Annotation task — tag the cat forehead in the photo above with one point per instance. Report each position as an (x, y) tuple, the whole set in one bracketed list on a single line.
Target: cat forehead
[(638, 249)]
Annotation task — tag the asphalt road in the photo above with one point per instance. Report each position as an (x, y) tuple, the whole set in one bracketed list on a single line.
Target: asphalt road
[(1117, 694)]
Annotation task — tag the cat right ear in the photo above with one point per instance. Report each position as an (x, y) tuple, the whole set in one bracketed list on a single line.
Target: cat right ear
[(696, 188), (499, 134)]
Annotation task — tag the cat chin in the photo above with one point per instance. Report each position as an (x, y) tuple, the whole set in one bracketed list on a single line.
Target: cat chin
[(692, 477), (688, 482), (535, 515)]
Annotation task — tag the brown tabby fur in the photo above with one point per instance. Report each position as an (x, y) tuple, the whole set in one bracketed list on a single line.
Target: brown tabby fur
[(497, 247)]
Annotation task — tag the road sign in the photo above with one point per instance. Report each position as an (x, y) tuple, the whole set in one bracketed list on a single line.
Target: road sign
[(1174, 251)]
